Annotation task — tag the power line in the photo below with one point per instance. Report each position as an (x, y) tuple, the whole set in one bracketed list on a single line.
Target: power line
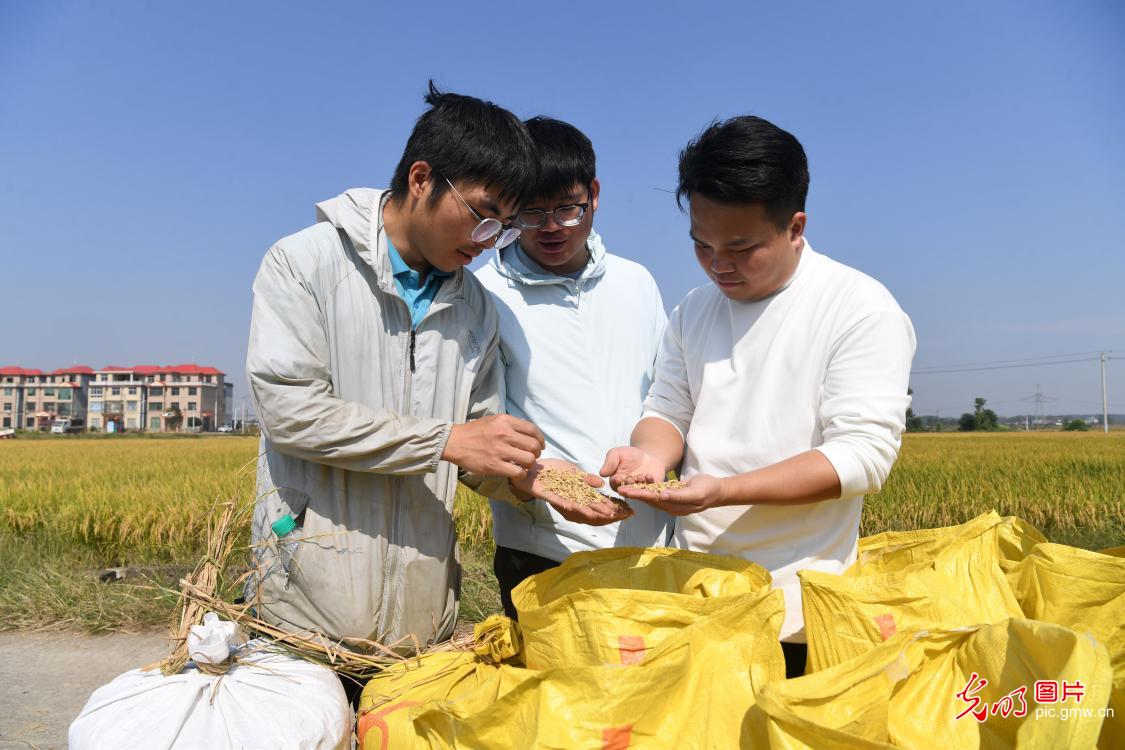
[(1043, 359), (1009, 361), (999, 367), (1038, 398), (1084, 403)]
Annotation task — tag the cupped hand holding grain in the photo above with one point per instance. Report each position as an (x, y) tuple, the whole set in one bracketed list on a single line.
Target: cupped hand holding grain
[(630, 465), (500, 445), (701, 492), (570, 491)]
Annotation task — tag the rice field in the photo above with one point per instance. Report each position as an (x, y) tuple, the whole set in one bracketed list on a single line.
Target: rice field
[(142, 500), (1069, 485), (71, 506)]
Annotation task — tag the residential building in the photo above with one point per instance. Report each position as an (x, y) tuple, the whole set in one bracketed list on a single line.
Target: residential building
[(32, 399), (228, 404), (117, 400), (13, 399), (178, 398)]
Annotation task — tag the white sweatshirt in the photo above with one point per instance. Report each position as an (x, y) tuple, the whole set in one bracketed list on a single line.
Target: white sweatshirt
[(571, 371), (823, 364)]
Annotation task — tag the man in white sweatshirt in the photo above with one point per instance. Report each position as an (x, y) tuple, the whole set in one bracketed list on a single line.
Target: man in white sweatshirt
[(781, 386), (563, 303)]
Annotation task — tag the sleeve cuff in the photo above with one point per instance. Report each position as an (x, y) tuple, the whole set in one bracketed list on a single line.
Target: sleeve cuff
[(853, 477), (442, 439), (665, 418), (493, 488)]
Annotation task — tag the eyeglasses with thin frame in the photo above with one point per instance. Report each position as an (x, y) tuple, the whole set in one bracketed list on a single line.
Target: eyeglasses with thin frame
[(487, 228), (565, 216)]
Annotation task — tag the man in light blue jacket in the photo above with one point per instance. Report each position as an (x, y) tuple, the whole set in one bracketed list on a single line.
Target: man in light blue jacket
[(563, 303)]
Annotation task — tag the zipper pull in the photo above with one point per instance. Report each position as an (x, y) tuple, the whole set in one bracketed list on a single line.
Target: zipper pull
[(412, 349)]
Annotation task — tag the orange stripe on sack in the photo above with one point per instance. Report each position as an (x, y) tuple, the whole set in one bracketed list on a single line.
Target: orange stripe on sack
[(886, 624), (374, 719), (631, 648), (617, 738)]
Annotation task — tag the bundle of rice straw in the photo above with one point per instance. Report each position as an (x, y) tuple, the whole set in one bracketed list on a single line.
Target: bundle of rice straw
[(202, 592)]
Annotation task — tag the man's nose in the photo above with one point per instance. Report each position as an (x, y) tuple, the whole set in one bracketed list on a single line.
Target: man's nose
[(720, 263), (550, 224)]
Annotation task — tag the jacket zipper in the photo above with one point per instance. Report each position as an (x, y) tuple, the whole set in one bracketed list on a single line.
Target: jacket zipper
[(393, 570)]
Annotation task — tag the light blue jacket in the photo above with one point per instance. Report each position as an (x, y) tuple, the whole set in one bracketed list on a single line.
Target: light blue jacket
[(578, 359)]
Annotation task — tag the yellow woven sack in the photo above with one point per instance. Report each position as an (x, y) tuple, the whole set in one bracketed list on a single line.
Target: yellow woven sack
[(905, 580), (612, 606), (384, 721), (580, 707), (672, 571), (735, 652), (694, 690), (846, 616), (616, 626), (908, 693), (1084, 591), (988, 536)]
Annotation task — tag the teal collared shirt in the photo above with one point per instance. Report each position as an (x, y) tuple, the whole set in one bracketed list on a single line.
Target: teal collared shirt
[(418, 295)]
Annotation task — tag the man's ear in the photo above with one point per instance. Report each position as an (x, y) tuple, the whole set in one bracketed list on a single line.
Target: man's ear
[(797, 227), (595, 190), (419, 180)]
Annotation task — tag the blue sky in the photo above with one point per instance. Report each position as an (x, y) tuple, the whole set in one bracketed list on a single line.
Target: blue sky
[(971, 156)]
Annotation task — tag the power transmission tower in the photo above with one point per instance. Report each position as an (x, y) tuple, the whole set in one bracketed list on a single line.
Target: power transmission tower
[(1040, 416)]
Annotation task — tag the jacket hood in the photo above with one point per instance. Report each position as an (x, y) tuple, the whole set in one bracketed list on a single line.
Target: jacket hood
[(517, 267), (358, 214)]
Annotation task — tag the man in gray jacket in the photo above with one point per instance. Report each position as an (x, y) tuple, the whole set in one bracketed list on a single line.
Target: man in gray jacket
[(373, 368)]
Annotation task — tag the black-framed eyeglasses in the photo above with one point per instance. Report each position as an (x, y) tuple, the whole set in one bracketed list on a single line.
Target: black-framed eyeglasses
[(565, 216), (488, 228)]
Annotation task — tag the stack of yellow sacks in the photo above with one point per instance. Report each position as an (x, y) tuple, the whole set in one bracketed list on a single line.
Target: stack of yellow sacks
[(904, 630), (631, 648)]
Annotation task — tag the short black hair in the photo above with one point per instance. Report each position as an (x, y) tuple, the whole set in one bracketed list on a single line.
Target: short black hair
[(746, 160), (465, 138), (565, 156)]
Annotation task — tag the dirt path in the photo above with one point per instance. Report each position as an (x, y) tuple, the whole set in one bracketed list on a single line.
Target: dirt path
[(46, 678)]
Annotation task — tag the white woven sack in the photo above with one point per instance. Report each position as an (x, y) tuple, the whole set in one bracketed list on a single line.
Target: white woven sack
[(269, 700)]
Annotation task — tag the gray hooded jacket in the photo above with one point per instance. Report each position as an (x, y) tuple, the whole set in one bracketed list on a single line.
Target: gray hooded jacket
[(355, 409)]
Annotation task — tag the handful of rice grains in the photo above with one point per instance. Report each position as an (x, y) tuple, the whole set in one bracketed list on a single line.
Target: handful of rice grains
[(571, 485), (654, 487)]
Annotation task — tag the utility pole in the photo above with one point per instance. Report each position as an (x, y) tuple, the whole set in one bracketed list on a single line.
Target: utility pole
[(1105, 404)]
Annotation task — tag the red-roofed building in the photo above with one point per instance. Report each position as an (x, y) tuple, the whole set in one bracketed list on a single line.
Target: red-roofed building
[(31, 399), (175, 398)]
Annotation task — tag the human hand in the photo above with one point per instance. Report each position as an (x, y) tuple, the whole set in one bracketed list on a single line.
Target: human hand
[(629, 464), (701, 492), (595, 514), (499, 445)]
